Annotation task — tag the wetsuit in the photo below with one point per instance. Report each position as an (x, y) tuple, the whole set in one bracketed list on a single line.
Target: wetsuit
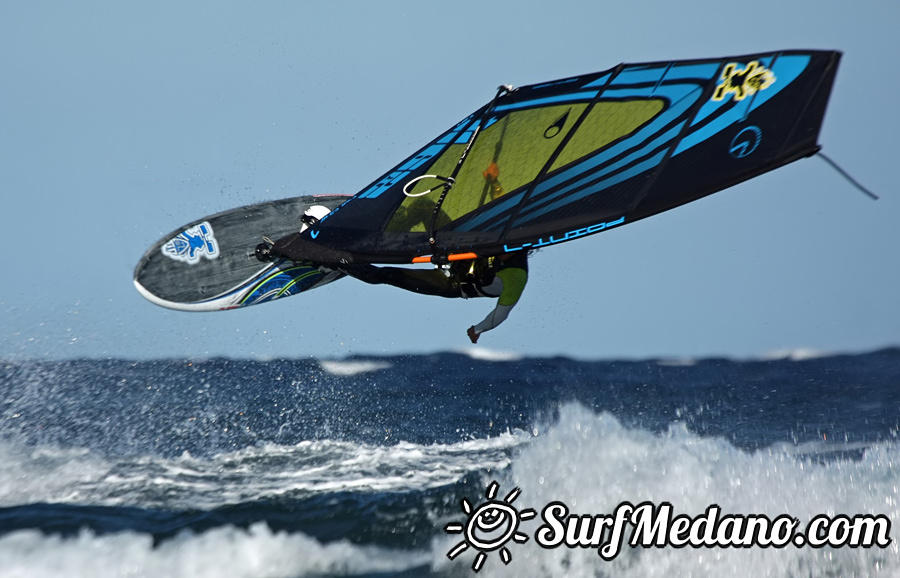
[(502, 277)]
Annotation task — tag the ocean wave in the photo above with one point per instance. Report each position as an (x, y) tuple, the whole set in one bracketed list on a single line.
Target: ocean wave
[(255, 552), (592, 463), (585, 458), (143, 452), (76, 476)]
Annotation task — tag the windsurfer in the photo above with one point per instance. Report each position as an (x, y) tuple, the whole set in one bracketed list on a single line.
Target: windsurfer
[(502, 277)]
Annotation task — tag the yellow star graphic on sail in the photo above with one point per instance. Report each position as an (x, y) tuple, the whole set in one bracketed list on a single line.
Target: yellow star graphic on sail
[(743, 82)]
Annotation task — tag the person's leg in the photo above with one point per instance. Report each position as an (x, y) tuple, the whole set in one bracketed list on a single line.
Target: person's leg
[(424, 281)]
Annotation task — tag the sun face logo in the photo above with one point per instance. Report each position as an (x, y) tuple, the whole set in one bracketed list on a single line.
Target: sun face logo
[(743, 82), (489, 526)]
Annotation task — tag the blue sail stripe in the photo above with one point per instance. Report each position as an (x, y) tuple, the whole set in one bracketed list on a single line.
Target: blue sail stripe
[(635, 76), (656, 143), (689, 71), (507, 203), (679, 94), (421, 158), (786, 69), (596, 188), (401, 172), (638, 75), (599, 82), (571, 97)]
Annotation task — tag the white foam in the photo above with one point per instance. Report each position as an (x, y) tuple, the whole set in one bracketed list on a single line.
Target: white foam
[(225, 551), (351, 368), (483, 354), (42, 474), (592, 463), (797, 354), (677, 362), (29, 475)]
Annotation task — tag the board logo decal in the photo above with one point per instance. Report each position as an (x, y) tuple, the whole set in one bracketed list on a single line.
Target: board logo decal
[(193, 243), (743, 82)]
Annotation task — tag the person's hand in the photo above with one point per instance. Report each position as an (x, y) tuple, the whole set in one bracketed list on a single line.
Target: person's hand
[(473, 336)]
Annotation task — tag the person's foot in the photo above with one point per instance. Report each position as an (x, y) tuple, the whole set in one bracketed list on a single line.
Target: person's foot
[(473, 336)]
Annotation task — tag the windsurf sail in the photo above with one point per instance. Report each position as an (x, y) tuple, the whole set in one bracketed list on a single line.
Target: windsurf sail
[(557, 161)]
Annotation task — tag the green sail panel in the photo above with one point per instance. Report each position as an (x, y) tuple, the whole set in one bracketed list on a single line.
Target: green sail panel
[(606, 123), (516, 147)]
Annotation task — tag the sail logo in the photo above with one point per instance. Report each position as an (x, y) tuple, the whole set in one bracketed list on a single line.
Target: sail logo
[(743, 82), (745, 142), (554, 129), (567, 236), (193, 243), (490, 526)]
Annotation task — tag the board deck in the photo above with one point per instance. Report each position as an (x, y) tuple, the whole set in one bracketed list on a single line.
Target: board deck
[(210, 264)]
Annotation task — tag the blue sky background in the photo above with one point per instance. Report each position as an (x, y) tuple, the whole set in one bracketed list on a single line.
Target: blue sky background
[(121, 121)]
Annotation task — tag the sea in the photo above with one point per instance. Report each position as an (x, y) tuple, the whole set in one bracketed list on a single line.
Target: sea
[(374, 465)]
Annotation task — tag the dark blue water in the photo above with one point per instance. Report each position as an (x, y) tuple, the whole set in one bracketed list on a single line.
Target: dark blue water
[(302, 467)]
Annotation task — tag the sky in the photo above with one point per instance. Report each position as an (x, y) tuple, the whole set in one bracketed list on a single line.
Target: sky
[(120, 122)]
